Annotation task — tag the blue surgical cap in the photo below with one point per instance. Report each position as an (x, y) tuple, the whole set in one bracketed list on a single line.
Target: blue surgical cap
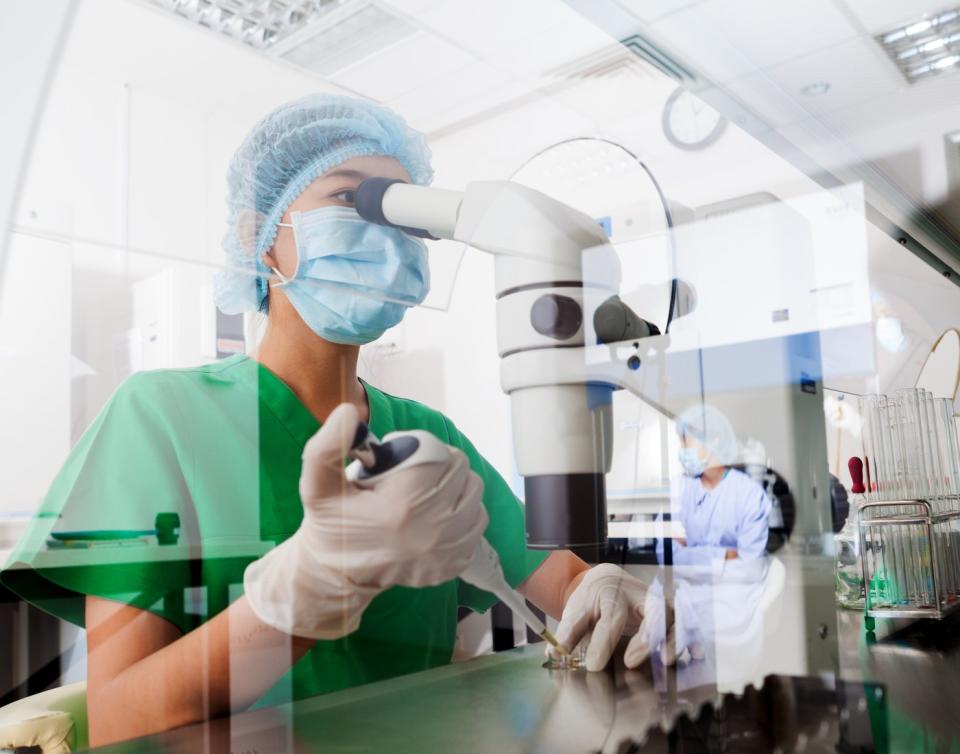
[(285, 152), (708, 425)]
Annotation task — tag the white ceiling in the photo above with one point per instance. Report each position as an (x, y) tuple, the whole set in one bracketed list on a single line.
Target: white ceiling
[(470, 61), (754, 58)]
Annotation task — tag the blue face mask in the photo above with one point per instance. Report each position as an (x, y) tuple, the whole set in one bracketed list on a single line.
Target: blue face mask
[(693, 464), (354, 279)]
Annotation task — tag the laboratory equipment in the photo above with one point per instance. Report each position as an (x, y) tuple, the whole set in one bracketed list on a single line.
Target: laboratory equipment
[(557, 282), (909, 531), (375, 460), (849, 572)]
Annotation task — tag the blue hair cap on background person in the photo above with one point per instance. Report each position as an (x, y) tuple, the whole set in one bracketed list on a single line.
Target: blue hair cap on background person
[(283, 154), (707, 424)]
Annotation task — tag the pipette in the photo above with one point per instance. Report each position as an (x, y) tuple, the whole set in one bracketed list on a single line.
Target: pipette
[(373, 460)]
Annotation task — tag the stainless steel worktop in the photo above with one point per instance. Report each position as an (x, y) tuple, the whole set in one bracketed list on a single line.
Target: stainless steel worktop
[(895, 694)]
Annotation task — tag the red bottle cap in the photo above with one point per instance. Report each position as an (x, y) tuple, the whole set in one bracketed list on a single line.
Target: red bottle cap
[(856, 475)]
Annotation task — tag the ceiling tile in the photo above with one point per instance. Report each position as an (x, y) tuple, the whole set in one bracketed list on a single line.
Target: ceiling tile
[(563, 43), (855, 70), (687, 37), (767, 33), (934, 104), (453, 89), (410, 7), (403, 66), (648, 11), (476, 107), (492, 25), (766, 99)]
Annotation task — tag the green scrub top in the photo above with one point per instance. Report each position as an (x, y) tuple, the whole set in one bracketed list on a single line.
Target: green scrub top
[(220, 445)]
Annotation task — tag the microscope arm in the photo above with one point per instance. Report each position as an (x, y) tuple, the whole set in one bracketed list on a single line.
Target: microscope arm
[(556, 283)]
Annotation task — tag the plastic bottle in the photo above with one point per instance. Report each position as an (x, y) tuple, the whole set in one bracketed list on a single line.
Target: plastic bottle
[(849, 572)]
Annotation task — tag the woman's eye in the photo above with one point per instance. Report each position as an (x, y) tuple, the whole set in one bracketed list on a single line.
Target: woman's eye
[(346, 196)]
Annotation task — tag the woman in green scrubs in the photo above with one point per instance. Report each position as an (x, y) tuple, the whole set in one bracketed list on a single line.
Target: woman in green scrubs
[(220, 445), (172, 638)]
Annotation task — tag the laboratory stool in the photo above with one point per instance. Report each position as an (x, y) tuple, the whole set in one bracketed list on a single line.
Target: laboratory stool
[(52, 722)]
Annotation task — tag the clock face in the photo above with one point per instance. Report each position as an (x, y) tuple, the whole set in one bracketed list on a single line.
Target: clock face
[(689, 122)]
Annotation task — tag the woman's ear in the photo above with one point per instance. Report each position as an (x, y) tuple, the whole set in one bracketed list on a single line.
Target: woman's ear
[(269, 260)]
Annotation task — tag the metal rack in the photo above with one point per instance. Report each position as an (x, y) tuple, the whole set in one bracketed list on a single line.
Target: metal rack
[(910, 558)]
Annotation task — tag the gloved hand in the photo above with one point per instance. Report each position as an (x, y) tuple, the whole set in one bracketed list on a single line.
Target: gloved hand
[(418, 527), (607, 604)]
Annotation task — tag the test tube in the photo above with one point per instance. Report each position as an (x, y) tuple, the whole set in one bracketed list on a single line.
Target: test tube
[(890, 484), (912, 443), (872, 580), (900, 554), (953, 529), (926, 564), (934, 454), (946, 561), (869, 419), (950, 465)]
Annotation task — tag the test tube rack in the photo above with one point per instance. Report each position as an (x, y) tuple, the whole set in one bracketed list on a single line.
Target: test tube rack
[(910, 556)]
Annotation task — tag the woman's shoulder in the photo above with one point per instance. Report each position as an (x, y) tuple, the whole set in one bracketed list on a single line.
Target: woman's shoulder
[(393, 413), (748, 489), (736, 476), (155, 386)]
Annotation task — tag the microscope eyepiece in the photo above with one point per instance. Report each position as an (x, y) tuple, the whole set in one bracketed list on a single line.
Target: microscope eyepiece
[(368, 201)]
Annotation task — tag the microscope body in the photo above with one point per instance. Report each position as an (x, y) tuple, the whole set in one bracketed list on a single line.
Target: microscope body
[(554, 268)]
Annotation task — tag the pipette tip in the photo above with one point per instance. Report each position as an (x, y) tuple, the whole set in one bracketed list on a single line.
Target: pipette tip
[(552, 641)]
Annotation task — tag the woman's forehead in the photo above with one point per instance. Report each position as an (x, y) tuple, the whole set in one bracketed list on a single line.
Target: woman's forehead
[(367, 166)]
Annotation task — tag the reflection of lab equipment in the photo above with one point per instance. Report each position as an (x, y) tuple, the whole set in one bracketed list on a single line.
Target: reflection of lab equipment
[(374, 460)]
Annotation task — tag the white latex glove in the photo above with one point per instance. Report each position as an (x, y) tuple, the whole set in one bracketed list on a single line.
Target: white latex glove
[(607, 604), (418, 527)]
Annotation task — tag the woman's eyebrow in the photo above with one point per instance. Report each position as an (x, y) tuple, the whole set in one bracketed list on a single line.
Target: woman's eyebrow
[(346, 173)]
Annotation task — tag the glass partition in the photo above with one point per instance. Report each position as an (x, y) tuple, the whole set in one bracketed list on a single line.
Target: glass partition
[(676, 282)]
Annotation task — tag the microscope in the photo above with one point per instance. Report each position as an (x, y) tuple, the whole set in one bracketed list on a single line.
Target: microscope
[(565, 339)]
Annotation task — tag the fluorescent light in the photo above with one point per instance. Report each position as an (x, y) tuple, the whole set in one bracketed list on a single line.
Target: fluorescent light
[(257, 23), (925, 47)]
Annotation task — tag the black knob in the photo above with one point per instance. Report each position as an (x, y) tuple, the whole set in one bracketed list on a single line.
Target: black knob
[(556, 316), (168, 528)]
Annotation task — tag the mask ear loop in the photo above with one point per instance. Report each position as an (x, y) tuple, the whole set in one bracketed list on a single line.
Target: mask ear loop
[(284, 280)]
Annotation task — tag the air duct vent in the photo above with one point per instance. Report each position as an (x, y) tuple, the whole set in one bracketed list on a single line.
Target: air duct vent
[(656, 57), (612, 60), (342, 38)]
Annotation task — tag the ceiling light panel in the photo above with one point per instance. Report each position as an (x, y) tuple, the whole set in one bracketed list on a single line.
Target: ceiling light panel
[(926, 46), (257, 23), (343, 39)]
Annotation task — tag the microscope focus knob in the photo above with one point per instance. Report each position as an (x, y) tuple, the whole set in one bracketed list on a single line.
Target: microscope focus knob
[(556, 316)]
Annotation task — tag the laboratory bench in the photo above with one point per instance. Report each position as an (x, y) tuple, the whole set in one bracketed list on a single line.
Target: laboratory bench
[(898, 689)]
